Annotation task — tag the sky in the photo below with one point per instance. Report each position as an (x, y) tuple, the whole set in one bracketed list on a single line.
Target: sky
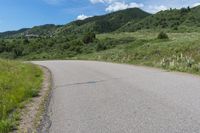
[(17, 14)]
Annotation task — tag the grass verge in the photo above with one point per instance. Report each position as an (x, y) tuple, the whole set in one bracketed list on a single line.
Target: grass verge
[(18, 83)]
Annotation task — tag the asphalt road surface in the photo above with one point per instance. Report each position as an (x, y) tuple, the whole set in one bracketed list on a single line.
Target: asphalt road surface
[(97, 97)]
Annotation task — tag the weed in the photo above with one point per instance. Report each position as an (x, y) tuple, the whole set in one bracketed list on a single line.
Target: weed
[(18, 83)]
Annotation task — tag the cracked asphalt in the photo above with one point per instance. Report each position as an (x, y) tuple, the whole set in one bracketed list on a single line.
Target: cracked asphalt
[(98, 97)]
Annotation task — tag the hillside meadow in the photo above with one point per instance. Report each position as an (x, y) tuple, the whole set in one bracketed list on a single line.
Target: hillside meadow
[(18, 83), (181, 52)]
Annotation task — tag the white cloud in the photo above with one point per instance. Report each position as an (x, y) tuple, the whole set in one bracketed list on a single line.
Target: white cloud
[(102, 1), (82, 17), (156, 8), (196, 4), (138, 5), (116, 6)]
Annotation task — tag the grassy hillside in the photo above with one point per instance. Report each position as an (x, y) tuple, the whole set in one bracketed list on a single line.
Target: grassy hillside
[(18, 83), (79, 37), (106, 23), (13, 33), (183, 20), (129, 20), (99, 24), (181, 52), (43, 30)]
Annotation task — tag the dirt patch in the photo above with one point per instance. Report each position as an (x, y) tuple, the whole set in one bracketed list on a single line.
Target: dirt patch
[(33, 113)]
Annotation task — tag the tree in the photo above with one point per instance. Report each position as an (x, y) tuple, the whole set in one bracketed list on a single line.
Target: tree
[(89, 37), (17, 51), (2, 46), (25, 41)]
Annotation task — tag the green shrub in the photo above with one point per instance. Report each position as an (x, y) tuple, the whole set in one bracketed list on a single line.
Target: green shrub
[(162, 35), (89, 37), (181, 63), (100, 47)]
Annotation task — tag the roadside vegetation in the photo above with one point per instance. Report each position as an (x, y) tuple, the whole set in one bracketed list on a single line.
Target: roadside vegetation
[(172, 51), (169, 50), (18, 83)]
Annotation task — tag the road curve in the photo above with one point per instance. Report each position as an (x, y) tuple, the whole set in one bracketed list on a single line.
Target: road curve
[(97, 97)]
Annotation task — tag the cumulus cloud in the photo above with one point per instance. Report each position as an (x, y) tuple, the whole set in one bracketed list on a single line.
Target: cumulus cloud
[(116, 6), (102, 1), (196, 4), (156, 8), (82, 17)]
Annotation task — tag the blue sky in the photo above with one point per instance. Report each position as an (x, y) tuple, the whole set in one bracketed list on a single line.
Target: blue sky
[(16, 14)]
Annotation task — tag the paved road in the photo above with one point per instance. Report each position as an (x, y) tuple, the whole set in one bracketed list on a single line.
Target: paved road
[(97, 97)]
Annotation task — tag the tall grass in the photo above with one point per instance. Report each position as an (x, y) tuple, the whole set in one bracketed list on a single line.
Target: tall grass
[(18, 82), (181, 52)]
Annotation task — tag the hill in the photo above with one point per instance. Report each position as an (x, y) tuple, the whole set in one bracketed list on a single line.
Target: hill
[(99, 24), (43, 30), (80, 37), (129, 20), (185, 19), (13, 33), (106, 23)]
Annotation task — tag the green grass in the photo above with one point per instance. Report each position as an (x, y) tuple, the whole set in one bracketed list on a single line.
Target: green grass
[(18, 83), (181, 52)]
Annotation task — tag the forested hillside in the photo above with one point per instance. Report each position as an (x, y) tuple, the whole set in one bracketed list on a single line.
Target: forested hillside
[(106, 23), (185, 19)]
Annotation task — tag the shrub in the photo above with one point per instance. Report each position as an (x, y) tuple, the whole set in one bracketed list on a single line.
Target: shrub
[(76, 46), (162, 35), (180, 63), (89, 38), (100, 47)]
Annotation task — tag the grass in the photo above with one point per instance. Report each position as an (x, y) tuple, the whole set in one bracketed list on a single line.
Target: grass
[(181, 52), (18, 83)]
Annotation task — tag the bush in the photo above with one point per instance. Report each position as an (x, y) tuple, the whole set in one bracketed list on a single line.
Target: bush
[(89, 38), (100, 47), (181, 63), (162, 35), (76, 46)]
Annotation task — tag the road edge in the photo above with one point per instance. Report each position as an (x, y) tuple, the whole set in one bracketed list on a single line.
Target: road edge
[(34, 114)]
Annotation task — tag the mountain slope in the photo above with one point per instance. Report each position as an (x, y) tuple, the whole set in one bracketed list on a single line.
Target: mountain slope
[(106, 23), (12, 33), (193, 18), (99, 24), (174, 19), (43, 30), (129, 20)]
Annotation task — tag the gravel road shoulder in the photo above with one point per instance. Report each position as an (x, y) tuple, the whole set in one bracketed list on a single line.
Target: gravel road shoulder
[(32, 116)]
